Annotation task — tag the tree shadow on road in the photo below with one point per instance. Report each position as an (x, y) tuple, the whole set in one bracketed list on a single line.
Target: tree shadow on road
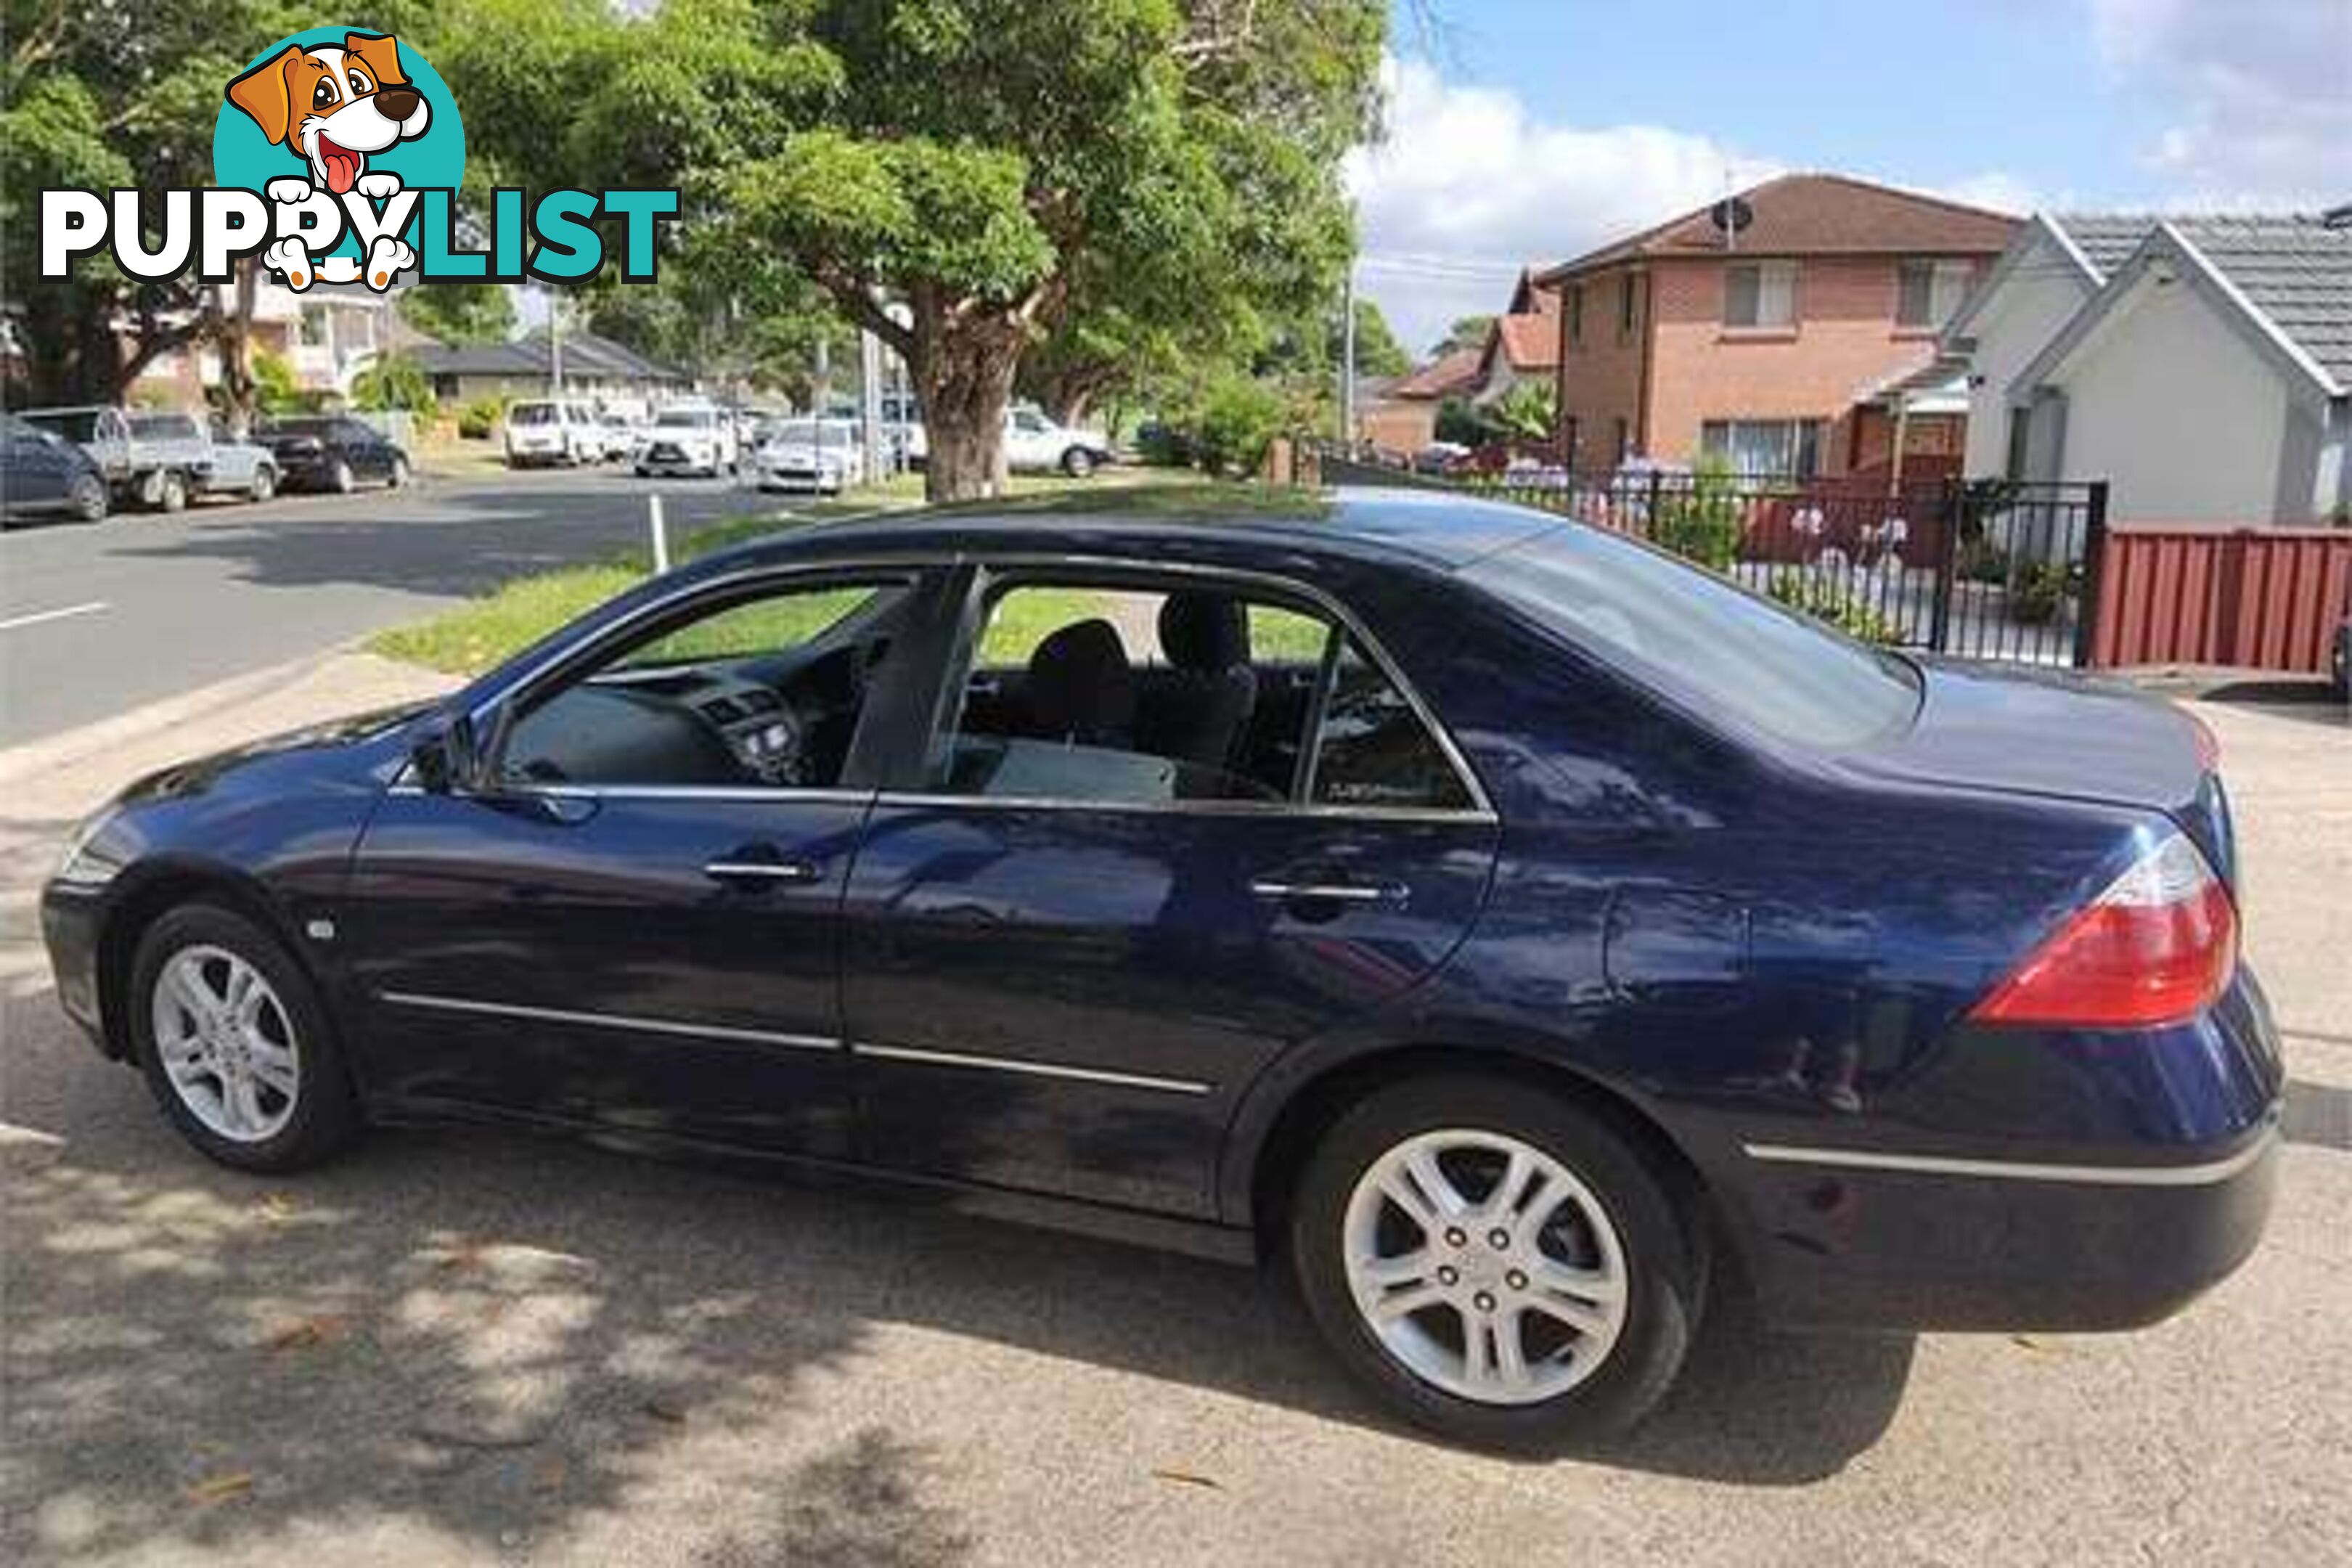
[(498, 1339)]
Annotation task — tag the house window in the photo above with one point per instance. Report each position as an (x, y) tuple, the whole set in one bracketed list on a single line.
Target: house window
[(1627, 309), (2020, 433), (1760, 294), (1625, 445), (1927, 292), (1789, 448), (314, 326), (1575, 315)]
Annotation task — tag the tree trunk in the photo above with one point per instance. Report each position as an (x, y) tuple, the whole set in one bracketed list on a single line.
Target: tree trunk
[(963, 372), (236, 344)]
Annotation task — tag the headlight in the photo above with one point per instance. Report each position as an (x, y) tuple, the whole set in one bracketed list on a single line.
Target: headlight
[(77, 865)]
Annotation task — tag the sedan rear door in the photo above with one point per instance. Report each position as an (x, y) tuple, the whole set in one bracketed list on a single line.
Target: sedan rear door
[(1064, 958)]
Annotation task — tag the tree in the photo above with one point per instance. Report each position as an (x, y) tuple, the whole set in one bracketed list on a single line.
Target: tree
[(393, 381), (1004, 168), (1466, 333), (1378, 353), (1525, 412), (460, 312)]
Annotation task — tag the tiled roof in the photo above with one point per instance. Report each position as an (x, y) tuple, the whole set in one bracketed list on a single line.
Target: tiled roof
[(585, 354), (2295, 269), (1530, 342), (1441, 377), (1818, 214)]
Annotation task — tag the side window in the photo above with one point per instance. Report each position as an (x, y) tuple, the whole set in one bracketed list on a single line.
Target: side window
[(764, 693), (1079, 692), (1372, 749)]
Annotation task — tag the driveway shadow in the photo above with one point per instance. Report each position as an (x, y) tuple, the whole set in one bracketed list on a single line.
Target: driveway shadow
[(500, 1335)]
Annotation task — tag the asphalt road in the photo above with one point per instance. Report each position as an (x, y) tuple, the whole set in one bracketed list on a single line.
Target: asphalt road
[(475, 1349), (97, 620)]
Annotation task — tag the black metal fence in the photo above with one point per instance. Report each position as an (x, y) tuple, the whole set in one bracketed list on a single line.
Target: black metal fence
[(1995, 570)]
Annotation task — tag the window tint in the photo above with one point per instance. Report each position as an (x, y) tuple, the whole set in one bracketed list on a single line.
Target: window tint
[(1081, 692), (1699, 639), (764, 692), (1372, 749)]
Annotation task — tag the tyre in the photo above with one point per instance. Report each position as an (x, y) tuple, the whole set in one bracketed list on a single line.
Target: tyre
[(399, 478), (88, 499), (263, 485), (1501, 1266), (171, 491), (1077, 462), (234, 1044), (340, 479)]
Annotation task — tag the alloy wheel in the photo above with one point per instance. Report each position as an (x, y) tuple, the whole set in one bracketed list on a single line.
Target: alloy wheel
[(226, 1043), (264, 484), (1485, 1267)]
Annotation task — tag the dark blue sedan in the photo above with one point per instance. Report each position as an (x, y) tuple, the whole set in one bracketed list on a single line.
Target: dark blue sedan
[(1523, 934)]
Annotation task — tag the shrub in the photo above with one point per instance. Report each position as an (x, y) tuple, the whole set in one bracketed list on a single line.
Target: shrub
[(1238, 421), (478, 420), (1701, 522), (2041, 591), (1826, 601), (392, 381)]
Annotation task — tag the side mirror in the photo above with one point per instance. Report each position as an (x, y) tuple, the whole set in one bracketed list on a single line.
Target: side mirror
[(453, 759)]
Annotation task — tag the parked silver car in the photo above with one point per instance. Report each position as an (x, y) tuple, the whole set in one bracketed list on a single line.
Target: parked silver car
[(158, 459), (240, 467)]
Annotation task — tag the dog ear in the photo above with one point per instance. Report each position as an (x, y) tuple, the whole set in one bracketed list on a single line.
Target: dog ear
[(262, 93), (380, 54)]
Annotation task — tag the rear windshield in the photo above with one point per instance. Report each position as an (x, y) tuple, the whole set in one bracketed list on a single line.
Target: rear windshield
[(163, 427), (531, 414), (1700, 640), (82, 425)]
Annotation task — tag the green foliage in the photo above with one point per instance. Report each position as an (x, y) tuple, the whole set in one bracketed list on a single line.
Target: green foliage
[(479, 419), (275, 390), (1701, 522), (1378, 353), (392, 381), (1237, 420), (1466, 333), (1525, 412), (2040, 591), (1461, 421), (460, 312), (1824, 600)]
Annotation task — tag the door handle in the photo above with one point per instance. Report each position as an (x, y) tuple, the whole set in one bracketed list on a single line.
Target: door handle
[(1332, 893), (741, 869)]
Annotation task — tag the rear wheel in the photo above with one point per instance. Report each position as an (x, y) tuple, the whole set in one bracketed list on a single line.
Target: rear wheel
[(1077, 462), (234, 1044), (1499, 1265), (171, 491)]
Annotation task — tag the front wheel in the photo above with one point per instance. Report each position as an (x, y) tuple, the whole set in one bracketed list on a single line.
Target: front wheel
[(263, 485), (88, 499), (1499, 1265), (340, 479), (399, 478), (234, 1044)]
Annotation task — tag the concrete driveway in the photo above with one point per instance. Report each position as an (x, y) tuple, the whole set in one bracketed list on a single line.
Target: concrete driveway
[(473, 1348)]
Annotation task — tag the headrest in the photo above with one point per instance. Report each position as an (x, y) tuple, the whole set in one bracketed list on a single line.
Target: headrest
[(1205, 631), (1080, 686)]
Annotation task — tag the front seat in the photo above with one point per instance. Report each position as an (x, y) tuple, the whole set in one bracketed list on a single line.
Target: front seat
[(1205, 710), (1080, 690)]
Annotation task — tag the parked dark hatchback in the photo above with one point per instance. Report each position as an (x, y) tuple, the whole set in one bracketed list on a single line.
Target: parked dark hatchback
[(333, 452), (1520, 932), (42, 472)]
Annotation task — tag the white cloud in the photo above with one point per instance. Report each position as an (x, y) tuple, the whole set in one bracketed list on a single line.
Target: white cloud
[(2000, 191), (1468, 175), (2256, 96)]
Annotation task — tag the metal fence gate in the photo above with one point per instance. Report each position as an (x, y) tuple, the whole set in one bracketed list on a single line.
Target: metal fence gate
[(1990, 570)]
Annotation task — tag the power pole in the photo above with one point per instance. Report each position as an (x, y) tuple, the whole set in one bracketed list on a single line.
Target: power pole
[(1348, 360), (869, 402)]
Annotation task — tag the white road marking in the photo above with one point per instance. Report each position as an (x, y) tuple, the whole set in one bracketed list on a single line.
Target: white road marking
[(37, 616)]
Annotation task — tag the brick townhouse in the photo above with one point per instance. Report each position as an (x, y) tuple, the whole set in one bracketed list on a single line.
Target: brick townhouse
[(1799, 344)]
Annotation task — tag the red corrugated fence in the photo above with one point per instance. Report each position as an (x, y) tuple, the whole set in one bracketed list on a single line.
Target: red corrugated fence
[(2257, 598)]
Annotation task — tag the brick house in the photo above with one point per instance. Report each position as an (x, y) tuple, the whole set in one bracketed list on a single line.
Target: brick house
[(1800, 344), (1524, 342)]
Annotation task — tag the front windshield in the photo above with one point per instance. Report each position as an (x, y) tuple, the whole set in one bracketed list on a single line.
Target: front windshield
[(685, 419), (531, 414), (1701, 640)]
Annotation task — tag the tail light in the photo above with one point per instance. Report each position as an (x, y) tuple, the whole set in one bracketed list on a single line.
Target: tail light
[(2157, 947)]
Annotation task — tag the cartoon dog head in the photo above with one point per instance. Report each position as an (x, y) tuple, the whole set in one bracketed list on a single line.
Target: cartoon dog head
[(333, 106)]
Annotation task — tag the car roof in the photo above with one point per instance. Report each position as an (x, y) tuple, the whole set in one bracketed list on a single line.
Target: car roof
[(1424, 528)]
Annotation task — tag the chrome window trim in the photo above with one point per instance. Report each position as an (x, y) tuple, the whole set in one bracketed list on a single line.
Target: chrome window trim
[(755, 794), (1272, 810), (439, 1004), (1032, 1069), (2204, 1173)]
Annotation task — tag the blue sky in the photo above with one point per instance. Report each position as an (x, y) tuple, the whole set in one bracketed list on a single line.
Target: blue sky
[(1538, 128)]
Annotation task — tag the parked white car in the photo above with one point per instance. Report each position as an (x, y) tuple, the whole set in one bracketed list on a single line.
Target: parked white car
[(687, 439), (1035, 444), (815, 454), (551, 430)]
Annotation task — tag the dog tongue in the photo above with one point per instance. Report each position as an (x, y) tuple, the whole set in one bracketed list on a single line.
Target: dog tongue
[(343, 168)]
